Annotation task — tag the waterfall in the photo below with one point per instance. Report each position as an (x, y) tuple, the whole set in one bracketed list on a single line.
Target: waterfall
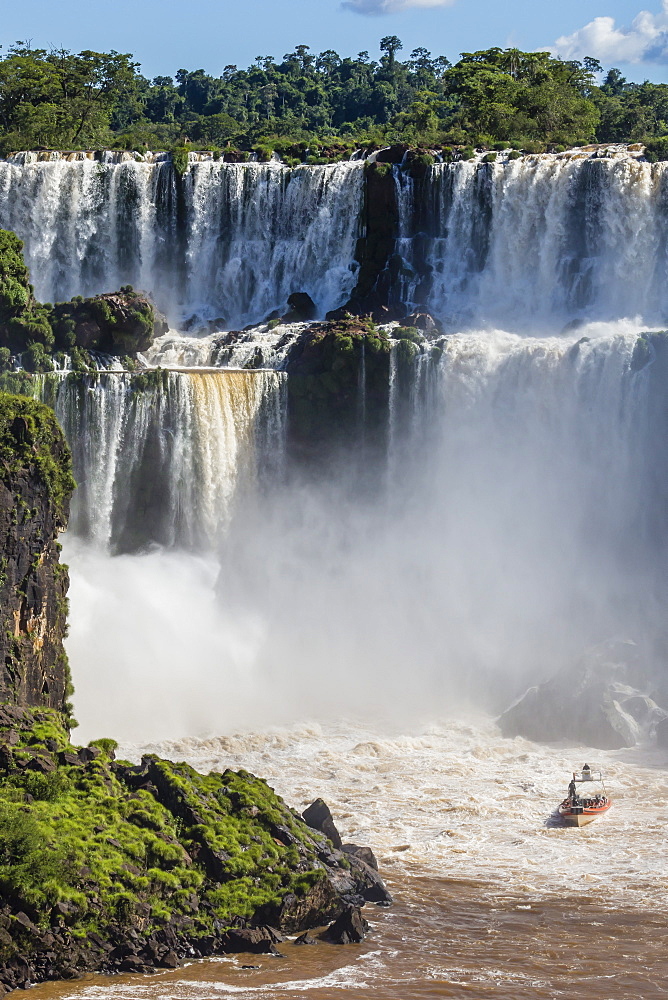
[(535, 243), (521, 512), (230, 242), (162, 457)]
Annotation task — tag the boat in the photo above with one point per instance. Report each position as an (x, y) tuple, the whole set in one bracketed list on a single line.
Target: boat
[(587, 798)]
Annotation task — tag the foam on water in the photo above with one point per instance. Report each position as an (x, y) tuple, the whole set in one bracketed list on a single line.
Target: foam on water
[(458, 801)]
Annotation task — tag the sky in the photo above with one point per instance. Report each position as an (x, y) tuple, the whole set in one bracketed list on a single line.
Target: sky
[(166, 35)]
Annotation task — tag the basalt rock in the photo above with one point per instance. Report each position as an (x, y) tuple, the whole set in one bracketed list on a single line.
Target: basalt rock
[(338, 387), (163, 863), (35, 488), (364, 853), (302, 308), (585, 703), (349, 928), (319, 817), (185, 884), (119, 323), (376, 280)]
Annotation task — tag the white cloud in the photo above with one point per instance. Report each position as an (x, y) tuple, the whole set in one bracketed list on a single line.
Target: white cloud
[(645, 41), (391, 6)]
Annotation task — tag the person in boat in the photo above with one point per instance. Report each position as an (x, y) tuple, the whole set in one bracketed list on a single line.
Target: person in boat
[(586, 771), (572, 790)]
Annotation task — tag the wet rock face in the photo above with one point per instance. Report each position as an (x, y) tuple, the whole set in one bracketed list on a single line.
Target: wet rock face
[(594, 703), (319, 818), (33, 584)]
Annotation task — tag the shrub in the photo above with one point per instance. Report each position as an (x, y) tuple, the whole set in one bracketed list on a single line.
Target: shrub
[(489, 157), (656, 149), (180, 160), (28, 861)]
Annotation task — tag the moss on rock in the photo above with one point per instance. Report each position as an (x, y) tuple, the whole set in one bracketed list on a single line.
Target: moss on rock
[(98, 853)]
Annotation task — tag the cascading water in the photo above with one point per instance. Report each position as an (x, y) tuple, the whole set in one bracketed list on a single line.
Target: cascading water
[(161, 458), (231, 242), (534, 243), (520, 517), (515, 518)]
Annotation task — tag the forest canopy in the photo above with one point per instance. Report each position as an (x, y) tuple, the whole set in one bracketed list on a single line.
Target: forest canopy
[(322, 103)]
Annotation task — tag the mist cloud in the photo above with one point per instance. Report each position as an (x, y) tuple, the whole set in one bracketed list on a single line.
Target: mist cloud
[(645, 41), (379, 7)]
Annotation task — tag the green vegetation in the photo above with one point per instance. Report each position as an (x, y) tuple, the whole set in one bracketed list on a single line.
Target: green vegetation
[(317, 108), (324, 384), (121, 323), (30, 435), (112, 846)]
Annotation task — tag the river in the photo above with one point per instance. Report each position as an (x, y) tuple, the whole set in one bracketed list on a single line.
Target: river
[(493, 898)]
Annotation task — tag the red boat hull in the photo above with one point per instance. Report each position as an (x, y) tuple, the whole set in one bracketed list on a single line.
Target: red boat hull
[(581, 815)]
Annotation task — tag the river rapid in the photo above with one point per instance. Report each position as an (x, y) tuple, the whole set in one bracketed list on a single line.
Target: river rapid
[(493, 897)]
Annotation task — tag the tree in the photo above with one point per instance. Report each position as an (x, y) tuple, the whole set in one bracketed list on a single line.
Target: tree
[(390, 44)]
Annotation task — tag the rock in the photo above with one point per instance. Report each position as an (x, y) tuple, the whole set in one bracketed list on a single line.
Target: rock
[(334, 315), (170, 960), (318, 817), (349, 928), (392, 154), (120, 323), (133, 963), (661, 734), (41, 763), (257, 940), (369, 884), (33, 585), (24, 921), (305, 938), (425, 322), (302, 308), (579, 704), (364, 853)]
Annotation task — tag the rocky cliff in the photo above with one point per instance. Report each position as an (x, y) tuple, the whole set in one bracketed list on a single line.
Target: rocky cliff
[(105, 865), (35, 488)]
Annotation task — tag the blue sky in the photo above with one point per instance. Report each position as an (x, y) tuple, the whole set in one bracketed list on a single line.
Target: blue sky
[(165, 35)]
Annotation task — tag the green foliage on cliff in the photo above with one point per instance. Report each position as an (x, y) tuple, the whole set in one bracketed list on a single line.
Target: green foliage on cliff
[(114, 846), (30, 436), (317, 108), (121, 323), (339, 378), (23, 321)]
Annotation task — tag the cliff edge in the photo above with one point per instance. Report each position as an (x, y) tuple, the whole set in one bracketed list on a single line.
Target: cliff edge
[(35, 488), (106, 865)]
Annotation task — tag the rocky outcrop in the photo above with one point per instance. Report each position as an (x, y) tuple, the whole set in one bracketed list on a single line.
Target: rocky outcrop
[(110, 866), (594, 703), (35, 488), (338, 386), (376, 280), (118, 323), (360, 860), (155, 862), (318, 817)]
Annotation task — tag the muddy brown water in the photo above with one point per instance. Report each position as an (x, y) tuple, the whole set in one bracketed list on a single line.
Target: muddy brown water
[(439, 940), (493, 898)]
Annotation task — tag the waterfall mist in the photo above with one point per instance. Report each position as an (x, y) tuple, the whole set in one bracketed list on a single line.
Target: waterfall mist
[(506, 528)]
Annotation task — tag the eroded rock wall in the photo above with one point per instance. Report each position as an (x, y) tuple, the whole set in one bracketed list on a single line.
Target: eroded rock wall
[(35, 487)]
